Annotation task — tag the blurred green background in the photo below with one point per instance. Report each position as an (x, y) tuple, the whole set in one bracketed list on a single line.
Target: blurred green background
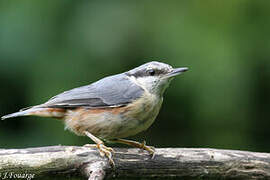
[(47, 47)]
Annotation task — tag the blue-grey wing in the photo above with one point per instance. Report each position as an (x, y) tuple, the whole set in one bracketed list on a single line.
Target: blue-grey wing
[(117, 90)]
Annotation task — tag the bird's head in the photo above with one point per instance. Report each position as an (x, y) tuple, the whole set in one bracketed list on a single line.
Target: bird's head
[(154, 76)]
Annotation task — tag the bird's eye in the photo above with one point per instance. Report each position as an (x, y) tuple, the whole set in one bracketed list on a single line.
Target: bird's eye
[(151, 72)]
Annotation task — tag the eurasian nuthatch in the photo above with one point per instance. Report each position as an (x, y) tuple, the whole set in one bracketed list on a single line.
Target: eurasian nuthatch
[(112, 108)]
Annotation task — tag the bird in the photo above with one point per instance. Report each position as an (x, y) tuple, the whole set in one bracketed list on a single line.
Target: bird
[(112, 108)]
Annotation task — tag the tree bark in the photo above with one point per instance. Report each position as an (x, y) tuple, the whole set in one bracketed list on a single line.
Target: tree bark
[(32, 163)]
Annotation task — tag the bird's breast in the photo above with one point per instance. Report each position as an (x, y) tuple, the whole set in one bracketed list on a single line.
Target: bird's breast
[(142, 113), (117, 122)]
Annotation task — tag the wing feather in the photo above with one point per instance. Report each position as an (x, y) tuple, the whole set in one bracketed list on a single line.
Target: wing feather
[(117, 90)]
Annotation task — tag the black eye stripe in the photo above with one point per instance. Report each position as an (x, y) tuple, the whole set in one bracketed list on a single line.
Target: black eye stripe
[(151, 72), (146, 72)]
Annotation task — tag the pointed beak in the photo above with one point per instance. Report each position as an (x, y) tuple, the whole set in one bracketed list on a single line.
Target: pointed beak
[(177, 71)]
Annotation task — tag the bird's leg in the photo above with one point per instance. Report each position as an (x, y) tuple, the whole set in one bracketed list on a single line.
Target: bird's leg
[(103, 150), (149, 149)]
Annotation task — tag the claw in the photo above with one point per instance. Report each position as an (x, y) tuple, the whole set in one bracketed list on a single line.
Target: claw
[(110, 149), (149, 149), (103, 151), (107, 151)]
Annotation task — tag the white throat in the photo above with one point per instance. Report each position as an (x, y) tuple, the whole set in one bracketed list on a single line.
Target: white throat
[(152, 84)]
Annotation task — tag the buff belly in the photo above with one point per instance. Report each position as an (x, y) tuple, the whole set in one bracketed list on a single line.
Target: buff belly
[(118, 122)]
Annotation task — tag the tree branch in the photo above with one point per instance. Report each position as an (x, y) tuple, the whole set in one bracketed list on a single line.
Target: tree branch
[(168, 162)]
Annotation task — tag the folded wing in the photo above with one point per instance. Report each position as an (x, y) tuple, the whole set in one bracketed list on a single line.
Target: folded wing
[(112, 91)]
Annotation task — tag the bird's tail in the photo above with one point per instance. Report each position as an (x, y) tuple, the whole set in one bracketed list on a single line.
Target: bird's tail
[(37, 111)]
